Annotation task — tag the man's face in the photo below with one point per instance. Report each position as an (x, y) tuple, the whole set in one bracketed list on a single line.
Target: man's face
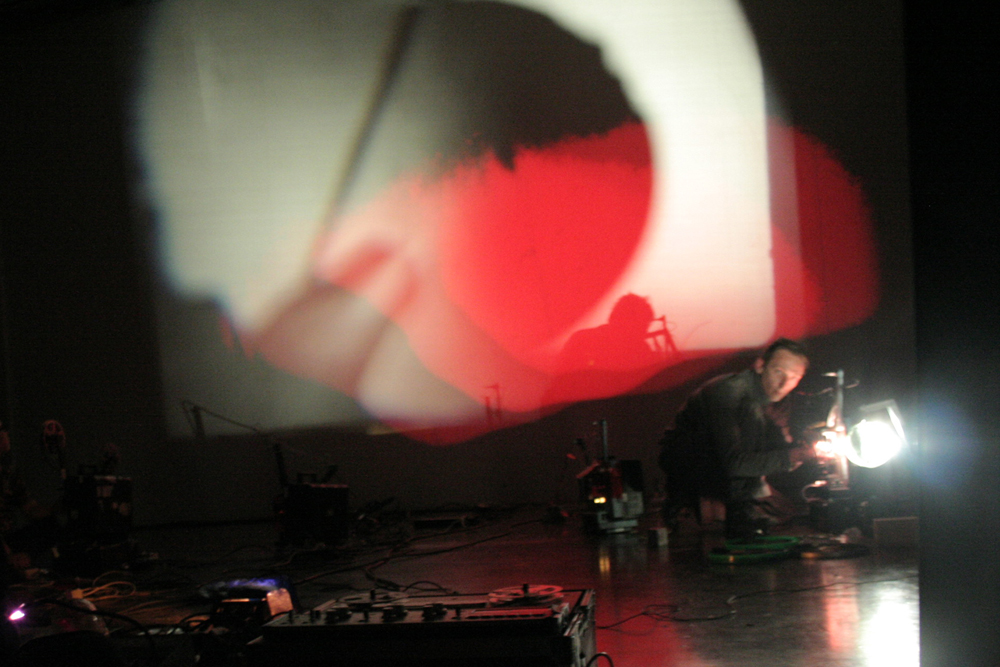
[(781, 374)]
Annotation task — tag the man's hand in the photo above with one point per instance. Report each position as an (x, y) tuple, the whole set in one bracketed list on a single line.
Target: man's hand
[(799, 455)]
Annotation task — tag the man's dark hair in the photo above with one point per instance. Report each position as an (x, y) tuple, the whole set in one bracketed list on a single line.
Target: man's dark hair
[(792, 346), (631, 309)]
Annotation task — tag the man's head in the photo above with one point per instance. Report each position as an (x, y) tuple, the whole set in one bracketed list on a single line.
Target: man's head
[(780, 367), (632, 313)]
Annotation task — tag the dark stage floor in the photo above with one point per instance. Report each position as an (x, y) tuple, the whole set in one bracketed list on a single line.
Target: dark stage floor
[(653, 605)]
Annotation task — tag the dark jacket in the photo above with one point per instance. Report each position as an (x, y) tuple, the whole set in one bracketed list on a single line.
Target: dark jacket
[(725, 439)]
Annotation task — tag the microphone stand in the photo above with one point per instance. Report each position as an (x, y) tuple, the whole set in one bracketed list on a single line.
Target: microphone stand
[(276, 445)]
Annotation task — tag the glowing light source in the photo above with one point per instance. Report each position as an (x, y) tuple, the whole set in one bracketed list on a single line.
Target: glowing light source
[(17, 614), (830, 445), (877, 438), (872, 441)]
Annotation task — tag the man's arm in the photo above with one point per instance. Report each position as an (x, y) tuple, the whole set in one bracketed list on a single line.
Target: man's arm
[(747, 443)]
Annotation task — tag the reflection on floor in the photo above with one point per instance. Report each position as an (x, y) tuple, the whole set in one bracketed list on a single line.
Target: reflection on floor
[(678, 604)]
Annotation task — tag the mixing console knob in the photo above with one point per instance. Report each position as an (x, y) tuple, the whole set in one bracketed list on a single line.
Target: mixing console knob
[(433, 611), (393, 613), (338, 614)]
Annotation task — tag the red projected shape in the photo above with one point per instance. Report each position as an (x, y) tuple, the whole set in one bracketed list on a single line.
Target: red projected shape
[(825, 257), (483, 268), (534, 248), (520, 254)]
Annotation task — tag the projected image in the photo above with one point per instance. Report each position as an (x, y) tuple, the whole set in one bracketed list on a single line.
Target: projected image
[(459, 216)]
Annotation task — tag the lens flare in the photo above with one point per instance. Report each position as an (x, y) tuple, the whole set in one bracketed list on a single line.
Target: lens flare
[(873, 443)]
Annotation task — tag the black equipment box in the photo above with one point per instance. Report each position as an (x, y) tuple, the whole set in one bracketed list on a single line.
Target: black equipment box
[(98, 506), (95, 537), (541, 627), (315, 513)]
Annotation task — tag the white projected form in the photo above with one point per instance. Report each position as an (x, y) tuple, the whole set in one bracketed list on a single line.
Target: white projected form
[(259, 180), (247, 119), (692, 70), (246, 113)]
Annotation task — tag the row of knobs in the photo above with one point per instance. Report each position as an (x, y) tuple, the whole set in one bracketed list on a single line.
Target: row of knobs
[(389, 613)]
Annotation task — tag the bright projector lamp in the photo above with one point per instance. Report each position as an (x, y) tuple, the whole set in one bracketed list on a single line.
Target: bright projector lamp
[(877, 437)]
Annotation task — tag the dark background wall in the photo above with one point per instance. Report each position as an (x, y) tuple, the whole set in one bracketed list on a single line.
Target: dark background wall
[(79, 341), (79, 344)]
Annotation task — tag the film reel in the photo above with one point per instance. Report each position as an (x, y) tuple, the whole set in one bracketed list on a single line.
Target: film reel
[(526, 594)]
